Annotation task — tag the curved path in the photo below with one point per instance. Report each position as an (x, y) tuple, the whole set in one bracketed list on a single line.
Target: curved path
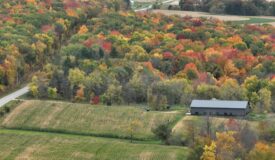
[(13, 95)]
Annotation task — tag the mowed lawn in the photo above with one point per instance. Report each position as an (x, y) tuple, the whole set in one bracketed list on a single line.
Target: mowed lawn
[(27, 145), (113, 121)]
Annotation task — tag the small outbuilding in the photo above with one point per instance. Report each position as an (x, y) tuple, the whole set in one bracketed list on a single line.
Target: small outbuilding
[(219, 107)]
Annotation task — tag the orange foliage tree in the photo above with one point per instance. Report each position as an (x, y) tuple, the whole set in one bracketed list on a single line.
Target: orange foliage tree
[(83, 29)]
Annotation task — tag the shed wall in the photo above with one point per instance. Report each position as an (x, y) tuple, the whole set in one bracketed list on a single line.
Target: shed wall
[(218, 111)]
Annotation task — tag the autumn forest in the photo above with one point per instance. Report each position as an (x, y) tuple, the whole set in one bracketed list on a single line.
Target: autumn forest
[(103, 53)]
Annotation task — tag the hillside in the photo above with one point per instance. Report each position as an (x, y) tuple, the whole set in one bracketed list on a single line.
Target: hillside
[(122, 58), (107, 82), (32, 32)]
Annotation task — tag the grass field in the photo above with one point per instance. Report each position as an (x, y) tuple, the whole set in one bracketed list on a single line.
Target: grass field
[(255, 21), (230, 18), (26, 145), (200, 14), (85, 119)]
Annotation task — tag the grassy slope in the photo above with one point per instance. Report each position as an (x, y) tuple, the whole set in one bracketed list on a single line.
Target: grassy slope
[(84, 119), (255, 20), (35, 145), (180, 127)]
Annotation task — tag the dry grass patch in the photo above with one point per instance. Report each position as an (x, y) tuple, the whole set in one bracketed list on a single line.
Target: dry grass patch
[(16, 112), (52, 115), (28, 152), (82, 155), (145, 155)]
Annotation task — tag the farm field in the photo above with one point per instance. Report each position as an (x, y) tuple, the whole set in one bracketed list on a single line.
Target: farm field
[(200, 14), (21, 145), (233, 18), (85, 119), (256, 20)]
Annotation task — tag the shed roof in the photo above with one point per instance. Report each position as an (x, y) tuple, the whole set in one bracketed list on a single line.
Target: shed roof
[(219, 104)]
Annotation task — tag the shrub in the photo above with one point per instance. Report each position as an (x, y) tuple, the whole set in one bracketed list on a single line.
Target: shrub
[(163, 132), (177, 140), (241, 46), (52, 92), (272, 135), (2, 113), (6, 109)]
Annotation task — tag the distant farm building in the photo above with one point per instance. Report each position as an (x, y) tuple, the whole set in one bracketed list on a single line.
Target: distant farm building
[(219, 107)]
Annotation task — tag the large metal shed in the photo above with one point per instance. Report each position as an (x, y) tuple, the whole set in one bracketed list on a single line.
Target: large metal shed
[(219, 107)]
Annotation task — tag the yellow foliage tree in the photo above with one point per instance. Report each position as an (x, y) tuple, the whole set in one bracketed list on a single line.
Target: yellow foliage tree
[(34, 90), (236, 39), (265, 100), (71, 13), (230, 69), (76, 76), (209, 152), (226, 145), (34, 87), (211, 52)]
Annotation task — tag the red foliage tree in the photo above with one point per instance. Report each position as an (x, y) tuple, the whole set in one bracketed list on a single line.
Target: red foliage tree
[(95, 100), (180, 36), (46, 28), (197, 22), (232, 125), (107, 46), (191, 66), (230, 53), (48, 2), (115, 33), (70, 4), (191, 71), (88, 43), (167, 55)]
